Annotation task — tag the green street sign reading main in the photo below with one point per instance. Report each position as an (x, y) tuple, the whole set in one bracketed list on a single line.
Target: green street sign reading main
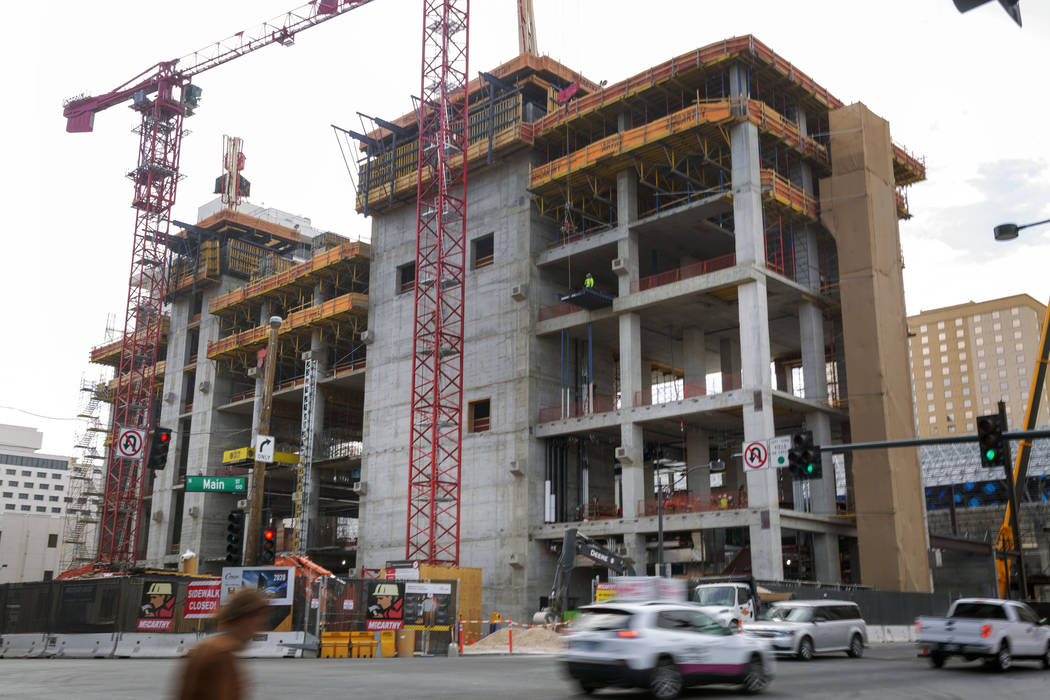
[(227, 484)]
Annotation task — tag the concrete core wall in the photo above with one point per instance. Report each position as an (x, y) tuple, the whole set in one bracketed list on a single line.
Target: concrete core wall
[(858, 207)]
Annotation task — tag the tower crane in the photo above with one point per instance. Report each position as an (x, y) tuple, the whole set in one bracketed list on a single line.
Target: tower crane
[(163, 95), (526, 28)]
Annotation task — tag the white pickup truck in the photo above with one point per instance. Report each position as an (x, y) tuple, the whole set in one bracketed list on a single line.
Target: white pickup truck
[(997, 631)]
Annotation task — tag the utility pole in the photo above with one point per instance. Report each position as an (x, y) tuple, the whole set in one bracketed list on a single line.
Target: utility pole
[(254, 527), (1015, 516)]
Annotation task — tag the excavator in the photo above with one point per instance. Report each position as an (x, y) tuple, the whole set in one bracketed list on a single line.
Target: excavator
[(1005, 541), (574, 544)]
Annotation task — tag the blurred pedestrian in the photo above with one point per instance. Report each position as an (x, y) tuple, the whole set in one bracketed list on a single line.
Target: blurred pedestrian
[(212, 670)]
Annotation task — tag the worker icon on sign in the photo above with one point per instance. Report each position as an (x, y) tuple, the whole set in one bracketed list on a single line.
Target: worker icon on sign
[(588, 281), (160, 601)]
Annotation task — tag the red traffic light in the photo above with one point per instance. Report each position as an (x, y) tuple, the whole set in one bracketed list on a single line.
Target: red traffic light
[(164, 436), (269, 535)]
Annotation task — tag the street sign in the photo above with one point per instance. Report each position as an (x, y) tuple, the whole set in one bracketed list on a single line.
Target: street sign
[(778, 451), (131, 443), (264, 449), (756, 456), (224, 484)]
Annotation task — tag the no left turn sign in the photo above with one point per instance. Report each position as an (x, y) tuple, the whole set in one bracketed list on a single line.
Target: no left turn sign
[(131, 443), (756, 456)]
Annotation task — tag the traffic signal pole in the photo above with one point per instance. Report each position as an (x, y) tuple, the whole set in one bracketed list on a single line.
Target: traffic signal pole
[(1011, 492), (253, 530)]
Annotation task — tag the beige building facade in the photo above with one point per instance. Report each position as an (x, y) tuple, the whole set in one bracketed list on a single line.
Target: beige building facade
[(965, 358)]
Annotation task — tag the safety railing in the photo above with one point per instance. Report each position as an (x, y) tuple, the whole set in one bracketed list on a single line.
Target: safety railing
[(556, 310), (703, 267), (579, 409), (782, 191), (598, 511), (684, 390), (694, 503)]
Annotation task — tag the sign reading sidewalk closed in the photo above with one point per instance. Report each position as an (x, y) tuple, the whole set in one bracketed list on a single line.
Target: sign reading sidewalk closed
[(226, 484), (202, 599)]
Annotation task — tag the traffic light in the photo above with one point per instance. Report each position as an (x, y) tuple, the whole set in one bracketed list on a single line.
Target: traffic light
[(1012, 7), (804, 458), (266, 552), (235, 537), (990, 440), (158, 448)]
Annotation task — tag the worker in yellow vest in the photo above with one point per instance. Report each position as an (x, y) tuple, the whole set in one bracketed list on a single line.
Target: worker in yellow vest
[(588, 281)]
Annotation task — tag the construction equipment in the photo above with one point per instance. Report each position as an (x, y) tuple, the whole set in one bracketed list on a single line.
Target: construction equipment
[(1005, 542), (441, 232), (526, 28), (153, 94), (574, 544)]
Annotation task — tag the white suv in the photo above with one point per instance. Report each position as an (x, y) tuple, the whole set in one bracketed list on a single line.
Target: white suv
[(806, 627), (662, 647)]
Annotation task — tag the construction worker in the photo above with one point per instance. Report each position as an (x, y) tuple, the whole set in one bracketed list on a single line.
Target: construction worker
[(212, 670), (588, 281)]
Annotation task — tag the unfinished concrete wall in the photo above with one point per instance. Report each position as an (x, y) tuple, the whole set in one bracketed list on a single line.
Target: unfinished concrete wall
[(859, 209)]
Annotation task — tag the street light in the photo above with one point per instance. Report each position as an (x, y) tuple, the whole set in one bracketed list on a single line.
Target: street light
[(671, 463), (1008, 232)]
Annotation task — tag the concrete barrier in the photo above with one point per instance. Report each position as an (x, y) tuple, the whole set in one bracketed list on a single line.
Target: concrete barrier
[(21, 646), (880, 634), (280, 645), (81, 646), (143, 645)]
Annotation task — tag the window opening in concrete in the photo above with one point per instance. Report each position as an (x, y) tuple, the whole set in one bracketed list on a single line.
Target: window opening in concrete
[(406, 278), (483, 253), (478, 412), (52, 541)]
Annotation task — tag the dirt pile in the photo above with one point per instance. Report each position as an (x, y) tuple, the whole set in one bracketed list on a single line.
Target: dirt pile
[(537, 640)]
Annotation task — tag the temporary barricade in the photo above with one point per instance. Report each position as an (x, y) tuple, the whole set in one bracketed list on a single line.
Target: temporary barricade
[(146, 645), (20, 646), (81, 646)]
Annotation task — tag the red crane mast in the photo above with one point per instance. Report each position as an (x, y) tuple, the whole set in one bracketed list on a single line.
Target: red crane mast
[(441, 229), (155, 179)]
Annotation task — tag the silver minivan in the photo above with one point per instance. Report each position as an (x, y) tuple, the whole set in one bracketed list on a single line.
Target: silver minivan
[(802, 628)]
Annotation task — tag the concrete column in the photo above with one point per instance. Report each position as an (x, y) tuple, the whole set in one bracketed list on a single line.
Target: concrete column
[(822, 491), (632, 479), (630, 357), (694, 349), (753, 315), (264, 319), (729, 358), (646, 378), (697, 452), (783, 375), (627, 214), (319, 350)]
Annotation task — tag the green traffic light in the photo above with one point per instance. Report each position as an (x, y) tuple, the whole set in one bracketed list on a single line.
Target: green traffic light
[(989, 455), (809, 468)]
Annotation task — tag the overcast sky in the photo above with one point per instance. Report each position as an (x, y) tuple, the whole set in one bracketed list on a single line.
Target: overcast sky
[(966, 91)]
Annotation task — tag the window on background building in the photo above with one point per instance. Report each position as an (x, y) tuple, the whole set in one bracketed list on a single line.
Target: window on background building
[(965, 379), (26, 472), (1020, 359), (1002, 374), (52, 541), (985, 388), (928, 373), (483, 251), (941, 336), (926, 362), (406, 277), (969, 414), (959, 333), (967, 403), (948, 393), (960, 345), (53, 499), (944, 360), (948, 381), (964, 367), (38, 497), (1006, 398), (23, 496), (1022, 371), (1023, 382), (969, 426), (1017, 323), (949, 405), (9, 472), (945, 370), (925, 339), (56, 510), (986, 399), (12, 483), (56, 476), (929, 397), (995, 314), (25, 509), (933, 430), (951, 428), (1003, 386), (9, 494), (9, 506), (929, 385), (925, 351), (958, 321), (48, 574), (1015, 311), (1000, 361), (933, 420), (977, 330), (966, 391), (997, 326), (41, 475), (1019, 347), (1017, 335), (979, 342), (44, 487), (998, 343), (479, 415), (59, 487), (943, 348), (940, 325), (922, 329)]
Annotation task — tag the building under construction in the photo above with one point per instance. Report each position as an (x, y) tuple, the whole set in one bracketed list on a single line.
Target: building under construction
[(229, 274), (657, 272)]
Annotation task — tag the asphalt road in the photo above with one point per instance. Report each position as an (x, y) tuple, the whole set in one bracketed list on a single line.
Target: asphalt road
[(886, 671)]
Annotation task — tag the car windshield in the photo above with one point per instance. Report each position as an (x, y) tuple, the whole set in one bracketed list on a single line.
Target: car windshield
[(715, 595), (789, 613), (604, 619)]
